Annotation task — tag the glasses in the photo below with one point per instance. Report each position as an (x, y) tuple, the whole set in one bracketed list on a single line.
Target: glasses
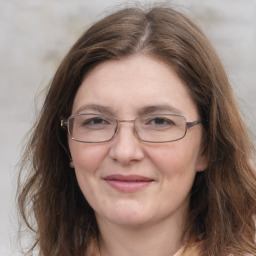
[(159, 128)]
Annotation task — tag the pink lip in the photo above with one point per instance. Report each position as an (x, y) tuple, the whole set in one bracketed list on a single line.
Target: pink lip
[(128, 183)]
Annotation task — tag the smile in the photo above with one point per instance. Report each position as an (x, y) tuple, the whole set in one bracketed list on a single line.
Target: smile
[(128, 183)]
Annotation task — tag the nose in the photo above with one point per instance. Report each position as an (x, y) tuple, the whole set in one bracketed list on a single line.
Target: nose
[(126, 148)]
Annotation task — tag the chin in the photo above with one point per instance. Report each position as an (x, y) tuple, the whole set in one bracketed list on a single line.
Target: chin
[(126, 214), (130, 220)]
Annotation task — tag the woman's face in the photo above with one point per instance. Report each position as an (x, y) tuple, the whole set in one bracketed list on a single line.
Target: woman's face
[(127, 181)]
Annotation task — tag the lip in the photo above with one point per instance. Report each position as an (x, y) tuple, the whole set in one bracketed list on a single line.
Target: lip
[(128, 183)]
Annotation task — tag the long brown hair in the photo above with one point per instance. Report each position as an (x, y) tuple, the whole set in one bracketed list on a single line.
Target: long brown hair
[(223, 197)]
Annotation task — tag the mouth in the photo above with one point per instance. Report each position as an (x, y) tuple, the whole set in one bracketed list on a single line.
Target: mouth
[(128, 183)]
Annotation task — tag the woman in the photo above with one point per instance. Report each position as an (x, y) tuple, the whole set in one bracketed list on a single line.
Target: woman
[(140, 148)]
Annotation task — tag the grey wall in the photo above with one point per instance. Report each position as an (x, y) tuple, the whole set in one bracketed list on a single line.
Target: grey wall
[(35, 35)]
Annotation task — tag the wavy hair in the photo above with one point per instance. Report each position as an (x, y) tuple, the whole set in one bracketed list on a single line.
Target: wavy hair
[(223, 197)]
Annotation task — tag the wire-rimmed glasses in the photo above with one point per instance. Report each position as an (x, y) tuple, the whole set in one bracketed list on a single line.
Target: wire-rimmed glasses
[(97, 128)]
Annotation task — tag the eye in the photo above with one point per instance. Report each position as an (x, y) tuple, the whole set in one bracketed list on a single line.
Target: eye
[(160, 122), (96, 121), (92, 122)]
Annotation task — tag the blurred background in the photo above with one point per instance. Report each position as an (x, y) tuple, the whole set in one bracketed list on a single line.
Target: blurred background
[(36, 34)]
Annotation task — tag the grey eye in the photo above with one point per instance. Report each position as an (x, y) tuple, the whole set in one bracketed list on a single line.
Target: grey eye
[(160, 121)]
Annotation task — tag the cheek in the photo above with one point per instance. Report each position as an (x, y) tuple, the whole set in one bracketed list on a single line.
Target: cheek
[(87, 157), (174, 159)]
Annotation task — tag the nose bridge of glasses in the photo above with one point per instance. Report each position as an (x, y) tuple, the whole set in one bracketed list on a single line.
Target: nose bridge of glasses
[(122, 121), (126, 121)]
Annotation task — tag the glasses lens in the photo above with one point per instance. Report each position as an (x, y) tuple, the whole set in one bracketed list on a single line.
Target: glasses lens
[(91, 128), (161, 128)]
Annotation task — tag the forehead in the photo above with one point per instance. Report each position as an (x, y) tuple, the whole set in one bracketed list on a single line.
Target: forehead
[(125, 86)]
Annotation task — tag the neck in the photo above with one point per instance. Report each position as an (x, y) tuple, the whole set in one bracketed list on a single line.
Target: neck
[(161, 239)]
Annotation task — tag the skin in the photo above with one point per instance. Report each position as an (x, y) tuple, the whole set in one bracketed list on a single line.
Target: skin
[(157, 212)]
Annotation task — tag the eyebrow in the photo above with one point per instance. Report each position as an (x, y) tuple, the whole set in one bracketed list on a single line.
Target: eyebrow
[(159, 109), (141, 111), (96, 108)]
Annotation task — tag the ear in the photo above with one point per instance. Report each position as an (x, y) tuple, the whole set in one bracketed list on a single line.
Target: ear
[(71, 164), (202, 162)]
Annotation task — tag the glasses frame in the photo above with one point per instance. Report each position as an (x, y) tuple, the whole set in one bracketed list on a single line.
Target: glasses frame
[(64, 123)]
